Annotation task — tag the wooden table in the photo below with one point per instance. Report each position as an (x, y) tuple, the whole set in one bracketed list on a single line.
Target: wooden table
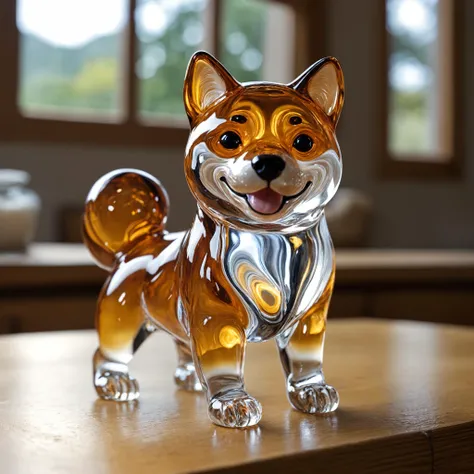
[(406, 407), (55, 286)]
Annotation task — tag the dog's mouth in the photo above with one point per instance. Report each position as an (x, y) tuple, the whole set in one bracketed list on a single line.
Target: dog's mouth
[(266, 201)]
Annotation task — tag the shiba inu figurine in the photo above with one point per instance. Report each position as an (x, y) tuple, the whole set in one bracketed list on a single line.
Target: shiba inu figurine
[(262, 161)]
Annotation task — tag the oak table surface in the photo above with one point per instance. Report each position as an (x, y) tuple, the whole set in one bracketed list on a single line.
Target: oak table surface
[(406, 407)]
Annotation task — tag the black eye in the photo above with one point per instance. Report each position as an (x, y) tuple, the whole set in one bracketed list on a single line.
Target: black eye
[(230, 140), (238, 118), (303, 143), (295, 120)]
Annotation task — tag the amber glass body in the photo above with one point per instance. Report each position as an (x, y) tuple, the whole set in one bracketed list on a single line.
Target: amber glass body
[(207, 287)]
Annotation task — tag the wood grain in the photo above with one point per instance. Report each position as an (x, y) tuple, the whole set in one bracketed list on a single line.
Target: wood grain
[(406, 407), (453, 449)]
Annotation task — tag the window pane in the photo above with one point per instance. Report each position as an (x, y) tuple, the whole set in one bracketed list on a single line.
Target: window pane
[(71, 56), (169, 32), (244, 24), (420, 78), (258, 40)]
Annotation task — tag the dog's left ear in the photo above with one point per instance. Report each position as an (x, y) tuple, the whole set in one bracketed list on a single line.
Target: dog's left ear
[(207, 80), (323, 83)]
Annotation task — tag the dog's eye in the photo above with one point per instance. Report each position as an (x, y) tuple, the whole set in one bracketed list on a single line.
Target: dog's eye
[(295, 120), (230, 140), (303, 143), (238, 118)]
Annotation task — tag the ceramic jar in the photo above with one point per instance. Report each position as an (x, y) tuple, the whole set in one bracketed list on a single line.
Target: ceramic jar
[(19, 209)]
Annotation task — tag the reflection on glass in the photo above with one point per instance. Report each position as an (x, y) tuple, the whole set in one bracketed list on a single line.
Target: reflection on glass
[(420, 74), (242, 45), (70, 56), (168, 32)]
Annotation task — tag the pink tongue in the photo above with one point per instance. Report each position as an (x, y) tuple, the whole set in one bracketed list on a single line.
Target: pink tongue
[(265, 201)]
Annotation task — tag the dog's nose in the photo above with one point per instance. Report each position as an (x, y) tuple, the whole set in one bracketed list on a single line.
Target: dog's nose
[(268, 167)]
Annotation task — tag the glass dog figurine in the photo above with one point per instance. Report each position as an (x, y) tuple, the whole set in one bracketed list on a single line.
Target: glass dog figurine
[(262, 161)]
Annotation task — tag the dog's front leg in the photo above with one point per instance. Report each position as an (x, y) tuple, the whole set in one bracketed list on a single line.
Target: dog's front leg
[(301, 352), (218, 343)]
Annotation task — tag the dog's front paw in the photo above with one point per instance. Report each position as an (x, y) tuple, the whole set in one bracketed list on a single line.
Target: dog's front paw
[(313, 398), (116, 386), (235, 409)]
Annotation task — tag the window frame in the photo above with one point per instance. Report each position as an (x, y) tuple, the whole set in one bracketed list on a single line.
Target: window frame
[(16, 127), (414, 167)]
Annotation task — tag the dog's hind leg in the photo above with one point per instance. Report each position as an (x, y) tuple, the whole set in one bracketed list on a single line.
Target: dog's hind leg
[(185, 374), (301, 352), (122, 328)]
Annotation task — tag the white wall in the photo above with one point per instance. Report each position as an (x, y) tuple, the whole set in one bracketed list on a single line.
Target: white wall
[(62, 176), (407, 213)]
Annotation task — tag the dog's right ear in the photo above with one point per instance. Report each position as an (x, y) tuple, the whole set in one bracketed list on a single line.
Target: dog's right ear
[(323, 83), (207, 80)]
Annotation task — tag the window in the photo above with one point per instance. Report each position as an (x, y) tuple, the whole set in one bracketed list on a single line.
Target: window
[(243, 38), (168, 33), (421, 68), (111, 71), (70, 58)]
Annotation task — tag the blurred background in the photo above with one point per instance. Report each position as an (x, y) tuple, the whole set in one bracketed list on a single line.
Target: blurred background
[(88, 86)]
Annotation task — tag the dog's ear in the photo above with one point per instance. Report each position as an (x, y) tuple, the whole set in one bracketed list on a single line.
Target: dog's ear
[(206, 82), (323, 83)]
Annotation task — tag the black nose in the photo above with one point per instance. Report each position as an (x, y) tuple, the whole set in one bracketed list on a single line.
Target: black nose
[(268, 167)]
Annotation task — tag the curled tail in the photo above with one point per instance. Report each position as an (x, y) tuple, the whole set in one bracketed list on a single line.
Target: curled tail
[(124, 210)]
